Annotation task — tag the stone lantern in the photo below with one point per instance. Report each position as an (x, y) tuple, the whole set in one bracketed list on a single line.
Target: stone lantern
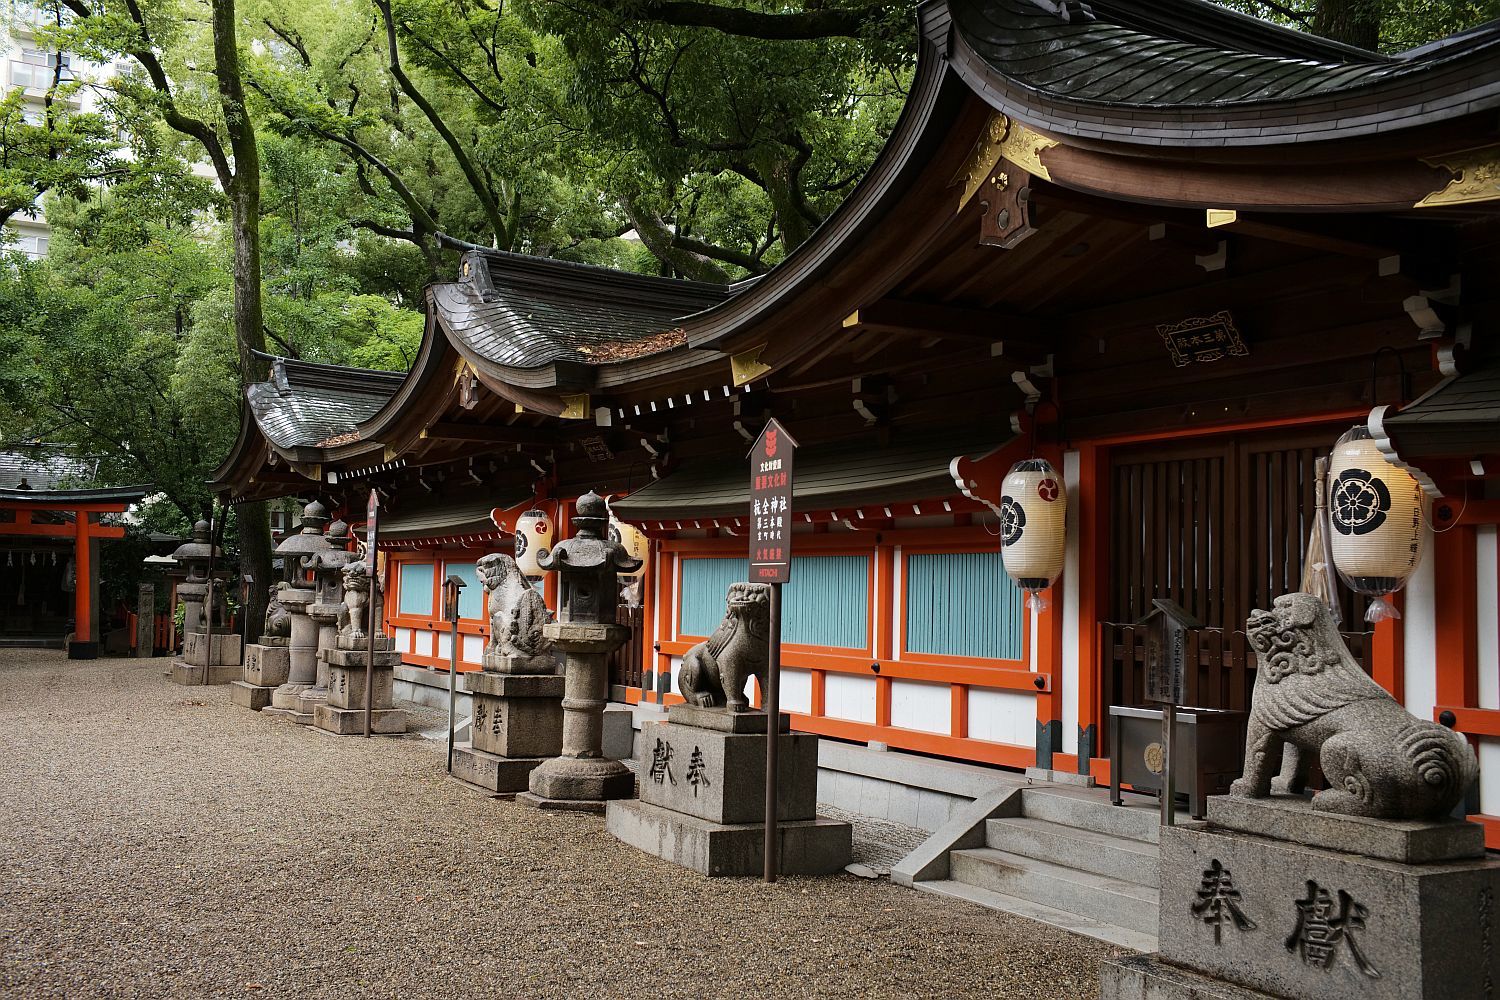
[(327, 567), (588, 566), (201, 664), (300, 593)]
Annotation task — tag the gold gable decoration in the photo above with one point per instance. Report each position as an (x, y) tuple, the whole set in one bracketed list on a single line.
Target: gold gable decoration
[(1002, 138)]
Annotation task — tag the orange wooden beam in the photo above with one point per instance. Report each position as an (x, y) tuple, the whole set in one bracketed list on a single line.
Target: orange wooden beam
[(1456, 620)]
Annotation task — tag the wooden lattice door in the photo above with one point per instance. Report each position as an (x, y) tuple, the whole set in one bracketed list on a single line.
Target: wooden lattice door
[(1220, 527)]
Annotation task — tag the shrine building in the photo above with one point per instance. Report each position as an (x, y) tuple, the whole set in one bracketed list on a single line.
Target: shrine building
[(1173, 250)]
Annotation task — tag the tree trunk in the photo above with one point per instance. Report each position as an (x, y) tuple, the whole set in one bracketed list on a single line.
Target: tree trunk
[(1353, 22), (243, 189)]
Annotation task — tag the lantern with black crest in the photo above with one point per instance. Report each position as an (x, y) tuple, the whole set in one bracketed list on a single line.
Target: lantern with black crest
[(533, 535), (1033, 527), (1377, 515)]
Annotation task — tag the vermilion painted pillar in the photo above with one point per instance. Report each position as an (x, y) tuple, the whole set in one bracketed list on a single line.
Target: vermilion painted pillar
[(84, 646)]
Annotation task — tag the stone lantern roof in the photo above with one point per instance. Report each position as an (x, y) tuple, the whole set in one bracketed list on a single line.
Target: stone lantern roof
[(311, 538)]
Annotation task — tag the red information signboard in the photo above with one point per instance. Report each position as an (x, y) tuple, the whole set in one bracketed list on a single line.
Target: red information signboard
[(771, 505)]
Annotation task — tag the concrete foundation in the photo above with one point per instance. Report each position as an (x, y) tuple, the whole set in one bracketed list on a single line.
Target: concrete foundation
[(189, 675), (498, 775), (806, 847), (251, 696)]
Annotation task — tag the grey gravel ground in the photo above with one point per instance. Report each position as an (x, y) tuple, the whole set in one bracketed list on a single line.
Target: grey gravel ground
[(156, 841)]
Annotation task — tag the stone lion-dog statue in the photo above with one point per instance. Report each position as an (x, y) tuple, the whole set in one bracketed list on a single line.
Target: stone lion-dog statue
[(1311, 697), (715, 671), (517, 615), (357, 586)]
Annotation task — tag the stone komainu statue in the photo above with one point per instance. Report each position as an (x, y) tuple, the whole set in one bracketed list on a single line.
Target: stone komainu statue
[(1311, 697), (517, 614), (278, 622), (357, 585), (714, 672)]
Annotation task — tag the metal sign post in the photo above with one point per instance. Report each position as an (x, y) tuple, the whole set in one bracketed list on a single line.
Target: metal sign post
[(770, 537), (208, 591), (1166, 683), (451, 588), (372, 514)]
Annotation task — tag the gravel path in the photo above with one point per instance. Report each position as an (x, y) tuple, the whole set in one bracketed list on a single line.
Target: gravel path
[(156, 841)]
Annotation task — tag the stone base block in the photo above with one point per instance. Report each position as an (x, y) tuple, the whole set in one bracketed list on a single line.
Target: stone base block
[(1305, 923), (267, 666), (351, 722), (309, 700), (560, 805), (351, 658), (226, 649), (501, 775), (191, 675), (516, 685), (361, 643), (582, 779), (1145, 977), (289, 714), (723, 720), (721, 777), (284, 698), (346, 687), (806, 847), (1291, 817), (252, 696), (498, 663), (518, 726)]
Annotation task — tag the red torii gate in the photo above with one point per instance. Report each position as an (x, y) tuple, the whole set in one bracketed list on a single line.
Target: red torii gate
[(18, 508)]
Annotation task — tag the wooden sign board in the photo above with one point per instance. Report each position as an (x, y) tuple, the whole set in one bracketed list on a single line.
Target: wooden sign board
[(1167, 664), (770, 531), (1203, 339)]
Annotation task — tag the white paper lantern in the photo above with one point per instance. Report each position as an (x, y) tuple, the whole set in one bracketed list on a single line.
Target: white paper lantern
[(1376, 514), (1033, 526), (533, 533), (634, 542)]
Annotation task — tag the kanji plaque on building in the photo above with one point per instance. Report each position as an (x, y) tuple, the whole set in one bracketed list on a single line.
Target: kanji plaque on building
[(771, 505)]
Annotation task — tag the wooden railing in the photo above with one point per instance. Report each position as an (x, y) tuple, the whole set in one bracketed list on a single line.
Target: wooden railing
[(1225, 666), (625, 663)]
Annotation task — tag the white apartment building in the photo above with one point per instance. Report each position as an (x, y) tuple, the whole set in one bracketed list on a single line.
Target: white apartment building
[(27, 64)]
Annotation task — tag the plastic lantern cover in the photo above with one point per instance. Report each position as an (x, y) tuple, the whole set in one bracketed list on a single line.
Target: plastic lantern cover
[(633, 540), (1376, 514), (533, 533), (1033, 526)]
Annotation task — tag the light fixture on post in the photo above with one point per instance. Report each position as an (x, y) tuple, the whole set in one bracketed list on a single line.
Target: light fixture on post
[(533, 533), (1377, 512)]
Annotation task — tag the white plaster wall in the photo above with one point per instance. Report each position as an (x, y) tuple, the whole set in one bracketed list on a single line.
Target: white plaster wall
[(404, 640), (1489, 777), (796, 691), (444, 645), (1488, 641), (1419, 631), (1002, 716), (473, 651), (846, 696), (922, 706), (1070, 664)]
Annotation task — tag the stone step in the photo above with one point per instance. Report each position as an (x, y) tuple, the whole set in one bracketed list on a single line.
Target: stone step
[(1089, 809), (1041, 913), (1121, 858), (1098, 897)]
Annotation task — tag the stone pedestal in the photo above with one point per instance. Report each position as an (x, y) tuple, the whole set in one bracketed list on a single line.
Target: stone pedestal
[(703, 797), (517, 724), (267, 664), (1246, 912), (302, 658), (582, 779), (343, 714), (326, 617), (220, 664)]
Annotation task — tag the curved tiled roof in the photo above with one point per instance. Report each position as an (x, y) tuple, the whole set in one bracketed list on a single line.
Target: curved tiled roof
[(43, 467), (1186, 71), (314, 405), (1091, 55), (528, 312)]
